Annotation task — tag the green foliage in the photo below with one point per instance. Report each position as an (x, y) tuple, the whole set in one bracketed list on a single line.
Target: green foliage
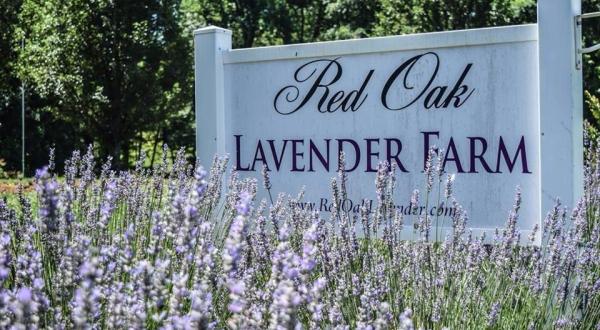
[(116, 67), (400, 16), (3, 174), (8, 80), (591, 61), (269, 22), (9, 83), (593, 105)]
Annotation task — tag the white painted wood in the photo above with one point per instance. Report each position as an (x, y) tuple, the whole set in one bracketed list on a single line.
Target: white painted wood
[(504, 103), (459, 38), (560, 103), (210, 44)]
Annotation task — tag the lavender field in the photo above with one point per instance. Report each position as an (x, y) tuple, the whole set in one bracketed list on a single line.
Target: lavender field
[(177, 247)]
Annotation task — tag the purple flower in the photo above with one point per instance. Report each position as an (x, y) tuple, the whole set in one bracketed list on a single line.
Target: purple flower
[(406, 322), (47, 188), (243, 205), (449, 186), (24, 295), (165, 254), (236, 307), (492, 316)]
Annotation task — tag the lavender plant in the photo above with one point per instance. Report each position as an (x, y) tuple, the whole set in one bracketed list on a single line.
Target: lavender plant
[(170, 248)]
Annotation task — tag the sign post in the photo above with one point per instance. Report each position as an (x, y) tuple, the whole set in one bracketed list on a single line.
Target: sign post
[(561, 115), (209, 46)]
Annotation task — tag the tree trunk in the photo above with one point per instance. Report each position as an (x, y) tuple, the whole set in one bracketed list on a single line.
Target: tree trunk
[(154, 147), (125, 164)]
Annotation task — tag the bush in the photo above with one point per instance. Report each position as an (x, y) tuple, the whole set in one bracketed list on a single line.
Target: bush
[(3, 174), (170, 248)]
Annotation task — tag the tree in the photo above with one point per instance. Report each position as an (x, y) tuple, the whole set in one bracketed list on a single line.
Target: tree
[(273, 22), (116, 68), (9, 82), (591, 63), (418, 16)]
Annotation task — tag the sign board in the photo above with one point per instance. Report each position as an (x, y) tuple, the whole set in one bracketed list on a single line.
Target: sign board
[(474, 95)]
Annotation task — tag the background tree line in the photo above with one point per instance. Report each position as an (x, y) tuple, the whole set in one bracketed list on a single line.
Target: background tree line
[(119, 73)]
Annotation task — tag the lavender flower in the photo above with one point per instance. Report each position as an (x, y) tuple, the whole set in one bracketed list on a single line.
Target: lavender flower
[(429, 168), (449, 186), (158, 249), (492, 316), (406, 322)]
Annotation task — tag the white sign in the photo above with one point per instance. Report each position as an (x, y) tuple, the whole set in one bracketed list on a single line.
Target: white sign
[(474, 95)]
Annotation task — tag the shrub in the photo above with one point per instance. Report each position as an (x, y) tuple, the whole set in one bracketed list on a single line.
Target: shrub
[(3, 174), (171, 248)]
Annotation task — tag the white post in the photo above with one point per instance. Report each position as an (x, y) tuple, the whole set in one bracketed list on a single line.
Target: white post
[(209, 45), (561, 123), (22, 120)]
